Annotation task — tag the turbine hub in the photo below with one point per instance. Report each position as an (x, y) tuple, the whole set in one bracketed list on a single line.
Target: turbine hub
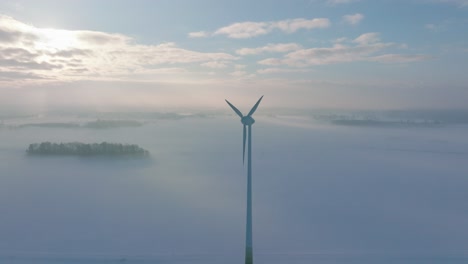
[(247, 120)]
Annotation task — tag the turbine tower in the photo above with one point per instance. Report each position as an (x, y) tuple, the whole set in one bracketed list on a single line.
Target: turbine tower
[(248, 121)]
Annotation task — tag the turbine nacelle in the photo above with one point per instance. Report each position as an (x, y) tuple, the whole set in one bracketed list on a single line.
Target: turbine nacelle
[(247, 120)]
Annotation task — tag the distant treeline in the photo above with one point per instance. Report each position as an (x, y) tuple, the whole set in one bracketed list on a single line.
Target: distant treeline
[(373, 120), (83, 149)]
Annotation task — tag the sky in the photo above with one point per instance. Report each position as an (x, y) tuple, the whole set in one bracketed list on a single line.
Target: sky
[(352, 54)]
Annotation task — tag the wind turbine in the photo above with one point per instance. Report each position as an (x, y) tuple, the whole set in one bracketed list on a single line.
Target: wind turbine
[(248, 121)]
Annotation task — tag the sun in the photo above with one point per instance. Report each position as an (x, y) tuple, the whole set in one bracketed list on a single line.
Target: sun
[(57, 40)]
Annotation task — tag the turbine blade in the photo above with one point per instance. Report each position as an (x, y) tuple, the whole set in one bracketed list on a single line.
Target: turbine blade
[(255, 106), (243, 148), (235, 109)]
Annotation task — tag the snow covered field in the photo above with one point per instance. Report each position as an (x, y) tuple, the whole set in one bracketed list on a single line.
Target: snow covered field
[(324, 192)]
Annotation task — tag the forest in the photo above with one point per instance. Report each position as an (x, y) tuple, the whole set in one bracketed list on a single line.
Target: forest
[(83, 149)]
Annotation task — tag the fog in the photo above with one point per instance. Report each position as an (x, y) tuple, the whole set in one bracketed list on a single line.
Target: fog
[(319, 187)]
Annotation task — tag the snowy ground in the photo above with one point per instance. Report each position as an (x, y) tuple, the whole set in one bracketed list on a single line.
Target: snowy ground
[(323, 192)]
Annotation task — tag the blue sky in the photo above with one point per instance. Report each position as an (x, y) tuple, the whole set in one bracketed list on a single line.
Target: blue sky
[(308, 54)]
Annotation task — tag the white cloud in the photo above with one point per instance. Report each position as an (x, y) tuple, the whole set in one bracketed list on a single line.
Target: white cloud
[(66, 54), (340, 2), (280, 70), (215, 64), (281, 47), (340, 40), (253, 29), (399, 58), (293, 25), (240, 66), (92, 37), (199, 34), (353, 19), (242, 74), (367, 47), (159, 71), (244, 30), (238, 73), (271, 62), (367, 38)]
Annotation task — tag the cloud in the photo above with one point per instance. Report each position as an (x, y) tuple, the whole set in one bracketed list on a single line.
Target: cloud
[(281, 47), (271, 62), (77, 54), (242, 75), (353, 19), (238, 73), (244, 30), (240, 66), (442, 25), (215, 64), (460, 3), (340, 40), (365, 47), (101, 38), (399, 58), (340, 2), (159, 71), (20, 53), (199, 34), (293, 25), (280, 70), (8, 36), (367, 38), (14, 76), (70, 53), (254, 29), (12, 32), (13, 64)]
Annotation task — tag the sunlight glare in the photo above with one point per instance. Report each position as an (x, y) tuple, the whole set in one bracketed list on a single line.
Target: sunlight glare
[(57, 40)]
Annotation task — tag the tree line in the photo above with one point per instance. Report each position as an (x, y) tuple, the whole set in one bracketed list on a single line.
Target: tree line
[(83, 149)]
